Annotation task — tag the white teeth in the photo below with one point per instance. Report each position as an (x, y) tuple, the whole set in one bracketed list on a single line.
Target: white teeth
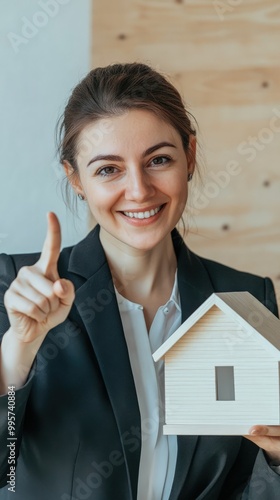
[(142, 215)]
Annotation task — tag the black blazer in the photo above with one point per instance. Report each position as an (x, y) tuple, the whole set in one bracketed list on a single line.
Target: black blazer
[(77, 417)]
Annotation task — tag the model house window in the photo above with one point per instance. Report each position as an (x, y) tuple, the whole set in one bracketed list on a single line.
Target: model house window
[(224, 383)]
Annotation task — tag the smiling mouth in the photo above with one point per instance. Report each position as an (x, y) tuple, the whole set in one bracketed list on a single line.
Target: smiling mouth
[(143, 215)]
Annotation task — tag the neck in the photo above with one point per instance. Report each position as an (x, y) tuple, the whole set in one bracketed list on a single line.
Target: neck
[(140, 274)]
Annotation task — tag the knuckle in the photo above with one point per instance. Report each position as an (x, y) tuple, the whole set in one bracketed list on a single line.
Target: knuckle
[(51, 297), (23, 272), (44, 304), (31, 309), (55, 303)]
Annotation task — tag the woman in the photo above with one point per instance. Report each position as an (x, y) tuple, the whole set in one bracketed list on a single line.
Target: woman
[(79, 326)]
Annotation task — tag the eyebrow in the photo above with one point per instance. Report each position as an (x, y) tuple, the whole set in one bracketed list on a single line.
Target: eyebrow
[(119, 158)]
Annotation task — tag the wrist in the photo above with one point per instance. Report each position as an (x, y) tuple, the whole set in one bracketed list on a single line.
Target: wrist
[(16, 359)]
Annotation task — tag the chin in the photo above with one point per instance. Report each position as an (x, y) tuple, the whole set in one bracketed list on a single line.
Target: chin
[(147, 243)]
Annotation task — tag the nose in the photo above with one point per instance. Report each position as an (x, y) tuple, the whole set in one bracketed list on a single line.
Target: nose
[(139, 186)]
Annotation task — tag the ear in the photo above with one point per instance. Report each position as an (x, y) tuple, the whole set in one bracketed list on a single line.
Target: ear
[(191, 154), (73, 178)]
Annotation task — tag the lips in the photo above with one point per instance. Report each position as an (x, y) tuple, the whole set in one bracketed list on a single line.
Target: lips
[(143, 215)]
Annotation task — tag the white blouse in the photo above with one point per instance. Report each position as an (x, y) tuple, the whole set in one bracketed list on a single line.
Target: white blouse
[(159, 452)]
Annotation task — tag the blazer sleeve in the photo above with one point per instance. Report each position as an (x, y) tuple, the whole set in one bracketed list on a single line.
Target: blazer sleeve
[(7, 275), (264, 482), (270, 299)]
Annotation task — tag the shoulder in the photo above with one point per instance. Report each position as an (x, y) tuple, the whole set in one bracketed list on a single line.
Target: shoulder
[(88, 248), (223, 276), (9, 267), (10, 264), (212, 276), (225, 279)]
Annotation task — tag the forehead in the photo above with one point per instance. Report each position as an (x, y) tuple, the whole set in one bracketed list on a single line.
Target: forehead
[(134, 129)]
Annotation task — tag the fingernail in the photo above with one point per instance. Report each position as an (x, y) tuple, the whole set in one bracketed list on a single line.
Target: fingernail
[(258, 431), (255, 432)]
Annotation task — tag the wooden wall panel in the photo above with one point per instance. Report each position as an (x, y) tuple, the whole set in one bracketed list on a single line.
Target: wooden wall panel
[(223, 56)]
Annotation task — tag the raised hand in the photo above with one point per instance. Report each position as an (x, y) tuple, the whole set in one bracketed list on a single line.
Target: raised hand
[(38, 299)]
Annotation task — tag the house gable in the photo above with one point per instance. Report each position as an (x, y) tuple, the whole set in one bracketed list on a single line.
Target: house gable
[(246, 311)]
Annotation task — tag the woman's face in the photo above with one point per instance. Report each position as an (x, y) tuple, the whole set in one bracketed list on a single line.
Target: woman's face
[(133, 172)]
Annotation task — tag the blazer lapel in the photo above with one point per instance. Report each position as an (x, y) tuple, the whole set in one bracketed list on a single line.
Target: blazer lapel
[(98, 308), (194, 282), (195, 287)]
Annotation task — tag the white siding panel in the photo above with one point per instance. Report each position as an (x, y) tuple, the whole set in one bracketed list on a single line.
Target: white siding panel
[(190, 376)]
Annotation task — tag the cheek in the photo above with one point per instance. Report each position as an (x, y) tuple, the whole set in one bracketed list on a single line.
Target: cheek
[(180, 196), (179, 188), (101, 199)]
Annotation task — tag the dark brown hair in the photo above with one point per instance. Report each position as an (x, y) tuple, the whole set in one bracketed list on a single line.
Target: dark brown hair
[(113, 90)]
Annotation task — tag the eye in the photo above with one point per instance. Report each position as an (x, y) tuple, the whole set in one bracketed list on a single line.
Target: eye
[(106, 171), (160, 160)]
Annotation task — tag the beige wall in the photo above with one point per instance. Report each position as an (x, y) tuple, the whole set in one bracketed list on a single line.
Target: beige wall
[(224, 58)]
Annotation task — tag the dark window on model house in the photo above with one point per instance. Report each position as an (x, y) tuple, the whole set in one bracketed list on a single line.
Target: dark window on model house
[(224, 376)]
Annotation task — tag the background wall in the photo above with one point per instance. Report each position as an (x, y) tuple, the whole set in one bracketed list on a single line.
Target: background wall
[(224, 58), (44, 52)]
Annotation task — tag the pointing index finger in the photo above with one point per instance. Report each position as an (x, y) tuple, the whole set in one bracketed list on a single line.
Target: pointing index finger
[(51, 248)]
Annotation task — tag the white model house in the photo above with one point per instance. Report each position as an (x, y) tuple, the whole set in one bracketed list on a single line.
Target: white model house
[(222, 368)]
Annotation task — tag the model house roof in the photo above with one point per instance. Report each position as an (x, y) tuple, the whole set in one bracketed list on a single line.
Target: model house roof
[(243, 308)]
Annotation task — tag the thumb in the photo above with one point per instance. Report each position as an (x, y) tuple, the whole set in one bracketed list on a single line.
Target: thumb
[(65, 291)]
